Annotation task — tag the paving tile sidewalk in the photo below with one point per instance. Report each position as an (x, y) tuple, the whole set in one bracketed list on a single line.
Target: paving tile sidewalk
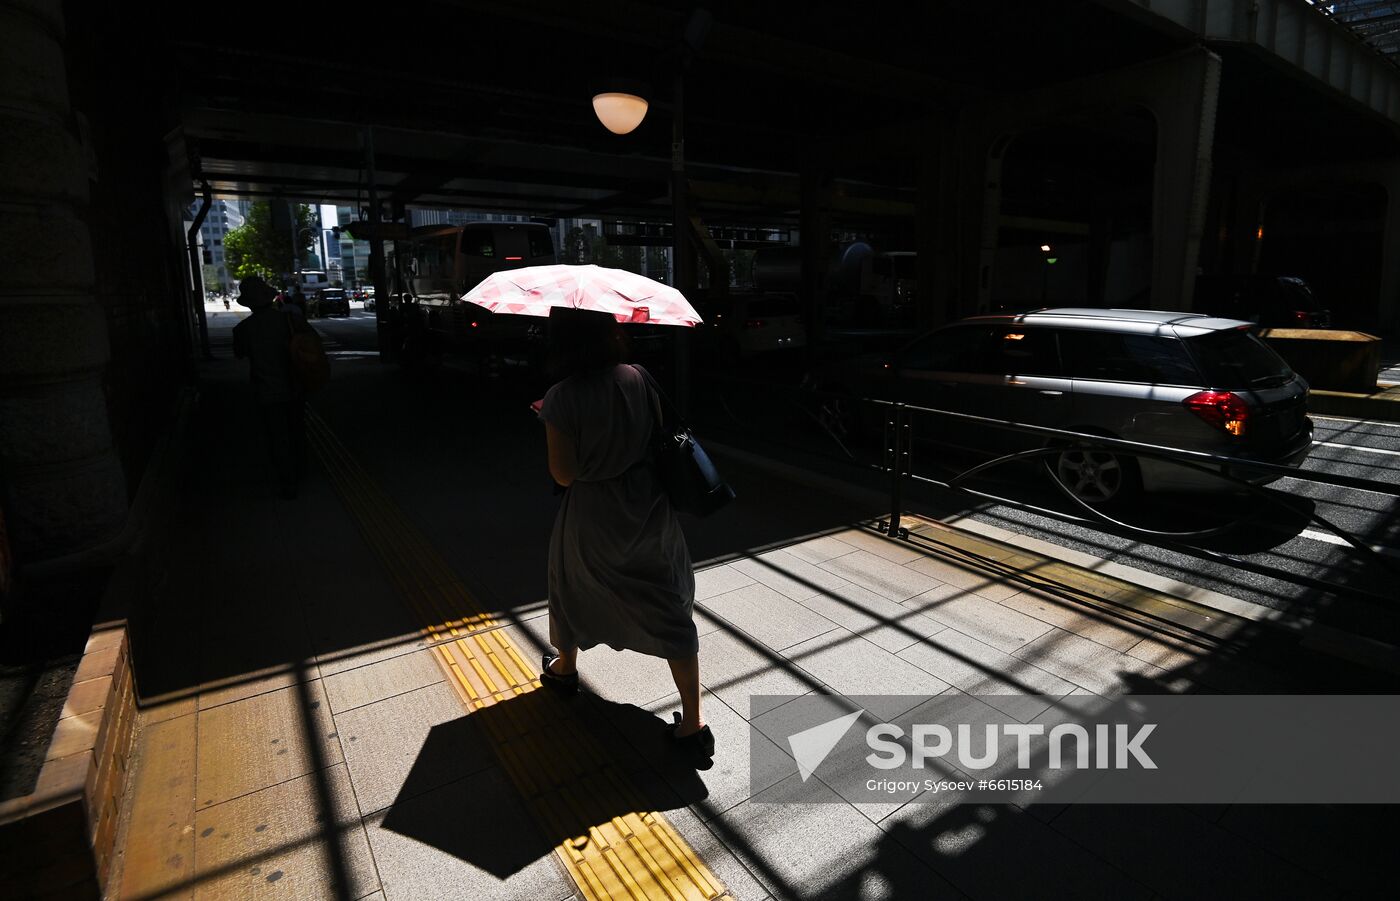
[(300, 741)]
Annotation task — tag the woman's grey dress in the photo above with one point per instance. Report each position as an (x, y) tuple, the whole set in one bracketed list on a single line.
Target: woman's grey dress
[(619, 568)]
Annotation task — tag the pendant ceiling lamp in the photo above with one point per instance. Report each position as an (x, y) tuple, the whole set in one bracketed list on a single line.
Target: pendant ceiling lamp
[(619, 112)]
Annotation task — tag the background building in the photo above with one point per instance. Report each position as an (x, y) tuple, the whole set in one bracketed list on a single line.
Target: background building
[(223, 217), (353, 256)]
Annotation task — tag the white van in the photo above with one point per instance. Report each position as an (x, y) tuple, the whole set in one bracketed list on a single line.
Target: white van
[(312, 281)]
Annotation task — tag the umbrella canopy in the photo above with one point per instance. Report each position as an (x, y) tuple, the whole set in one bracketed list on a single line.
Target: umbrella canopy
[(535, 290)]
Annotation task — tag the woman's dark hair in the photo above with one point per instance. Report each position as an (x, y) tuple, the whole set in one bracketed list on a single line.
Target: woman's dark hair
[(584, 341)]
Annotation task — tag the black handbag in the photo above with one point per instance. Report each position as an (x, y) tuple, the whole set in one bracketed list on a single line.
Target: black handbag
[(690, 478)]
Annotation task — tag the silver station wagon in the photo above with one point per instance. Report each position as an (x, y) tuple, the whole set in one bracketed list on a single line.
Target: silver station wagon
[(1180, 380)]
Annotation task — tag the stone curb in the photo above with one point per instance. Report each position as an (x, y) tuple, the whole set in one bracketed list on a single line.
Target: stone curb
[(1383, 405)]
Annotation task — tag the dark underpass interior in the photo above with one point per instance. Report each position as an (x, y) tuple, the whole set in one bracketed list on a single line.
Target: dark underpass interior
[(828, 120), (464, 459)]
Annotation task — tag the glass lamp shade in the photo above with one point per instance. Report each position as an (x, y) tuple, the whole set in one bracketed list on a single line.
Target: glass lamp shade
[(619, 113)]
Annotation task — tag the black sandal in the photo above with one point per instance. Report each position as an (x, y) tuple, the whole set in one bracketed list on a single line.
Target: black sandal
[(699, 745), (563, 684)]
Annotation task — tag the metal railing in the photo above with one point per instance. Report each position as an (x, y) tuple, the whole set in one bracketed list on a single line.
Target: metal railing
[(897, 460), (898, 454)]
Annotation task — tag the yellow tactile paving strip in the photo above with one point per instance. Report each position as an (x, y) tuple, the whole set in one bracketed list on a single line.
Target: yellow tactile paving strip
[(610, 855)]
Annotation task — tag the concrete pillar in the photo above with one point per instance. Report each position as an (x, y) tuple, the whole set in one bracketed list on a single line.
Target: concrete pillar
[(1249, 219), (1185, 113), (815, 196), (1388, 302), (937, 222), (1099, 248), (983, 226), (61, 482), (959, 200)]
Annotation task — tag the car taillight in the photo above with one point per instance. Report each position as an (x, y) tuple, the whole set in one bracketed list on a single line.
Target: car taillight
[(753, 323), (1222, 409), (1302, 316)]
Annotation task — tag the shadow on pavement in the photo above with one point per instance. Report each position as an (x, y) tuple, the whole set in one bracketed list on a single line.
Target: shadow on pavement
[(543, 743), (255, 585)]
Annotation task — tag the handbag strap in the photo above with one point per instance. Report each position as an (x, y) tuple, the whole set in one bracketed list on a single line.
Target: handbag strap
[(297, 325), (669, 409), (292, 330), (658, 421)]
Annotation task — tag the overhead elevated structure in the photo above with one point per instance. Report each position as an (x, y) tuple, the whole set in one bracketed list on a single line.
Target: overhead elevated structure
[(1144, 142)]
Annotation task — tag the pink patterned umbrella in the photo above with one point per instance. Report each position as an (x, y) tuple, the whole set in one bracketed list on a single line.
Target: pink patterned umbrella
[(535, 290)]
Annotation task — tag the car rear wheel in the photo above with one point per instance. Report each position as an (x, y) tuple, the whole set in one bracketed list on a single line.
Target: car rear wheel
[(1096, 476)]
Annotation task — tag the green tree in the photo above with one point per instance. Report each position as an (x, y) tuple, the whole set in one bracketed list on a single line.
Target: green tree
[(576, 246), (262, 245), (211, 278), (605, 254)]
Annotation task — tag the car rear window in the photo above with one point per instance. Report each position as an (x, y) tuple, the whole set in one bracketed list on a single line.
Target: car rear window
[(1119, 357), (1234, 358)]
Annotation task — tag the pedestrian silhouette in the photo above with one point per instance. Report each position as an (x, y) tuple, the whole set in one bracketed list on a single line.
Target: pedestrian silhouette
[(619, 570), (263, 340)]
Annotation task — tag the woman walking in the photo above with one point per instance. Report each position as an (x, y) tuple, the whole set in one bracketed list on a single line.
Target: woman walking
[(619, 569)]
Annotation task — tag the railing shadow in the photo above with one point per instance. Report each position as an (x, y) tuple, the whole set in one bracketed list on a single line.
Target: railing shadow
[(890, 441), (890, 857)]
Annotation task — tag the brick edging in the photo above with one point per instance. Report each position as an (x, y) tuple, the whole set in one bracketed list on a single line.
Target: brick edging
[(59, 839)]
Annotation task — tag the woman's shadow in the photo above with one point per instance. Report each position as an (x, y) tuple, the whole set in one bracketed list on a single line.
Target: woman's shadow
[(503, 786)]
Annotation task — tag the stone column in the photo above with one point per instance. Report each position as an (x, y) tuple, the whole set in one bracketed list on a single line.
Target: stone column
[(984, 165), (937, 221), (1185, 110), (61, 482), (1388, 303), (814, 189)]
